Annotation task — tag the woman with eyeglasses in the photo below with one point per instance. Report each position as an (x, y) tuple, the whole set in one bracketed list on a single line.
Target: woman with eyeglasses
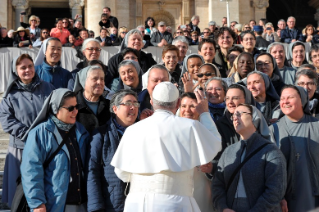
[(266, 64), (225, 38), (248, 41), (170, 55), (122, 32), (246, 27), (44, 36), (21, 103), (35, 31), (260, 184), (59, 32), (106, 192), (297, 52)]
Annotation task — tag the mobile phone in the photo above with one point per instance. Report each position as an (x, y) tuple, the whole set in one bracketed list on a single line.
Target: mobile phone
[(268, 28), (23, 13), (80, 16)]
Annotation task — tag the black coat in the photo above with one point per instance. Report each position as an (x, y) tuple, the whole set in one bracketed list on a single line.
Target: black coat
[(86, 116), (6, 42), (156, 38), (222, 64), (192, 28), (112, 19), (108, 41), (17, 40), (261, 44), (145, 60)]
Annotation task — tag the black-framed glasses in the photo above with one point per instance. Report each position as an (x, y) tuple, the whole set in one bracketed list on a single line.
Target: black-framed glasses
[(238, 114), (103, 19), (34, 20), (93, 49), (205, 32), (71, 108), (260, 64), (123, 32), (206, 74), (130, 104), (45, 32), (306, 83), (65, 22), (178, 32)]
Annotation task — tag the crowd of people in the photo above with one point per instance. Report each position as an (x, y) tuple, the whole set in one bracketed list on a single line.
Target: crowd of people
[(230, 128)]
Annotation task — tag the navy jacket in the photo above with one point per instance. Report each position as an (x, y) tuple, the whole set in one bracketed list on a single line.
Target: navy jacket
[(59, 77), (106, 190), (286, 36)]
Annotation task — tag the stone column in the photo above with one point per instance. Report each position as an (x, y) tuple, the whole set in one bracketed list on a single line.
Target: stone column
[(76, 7), (317, 16), (186, 13), (210, 10), (4, 14), (260, 8), (94, 11), (20, 6)]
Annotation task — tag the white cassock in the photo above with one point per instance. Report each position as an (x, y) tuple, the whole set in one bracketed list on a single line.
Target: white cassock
[(157, 156)]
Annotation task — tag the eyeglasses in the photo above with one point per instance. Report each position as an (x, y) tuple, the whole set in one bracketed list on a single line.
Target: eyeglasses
[(247, 27), (162, 25), (93, 49), (206, 74), (65, 22), (123, 32), (34, 20), (309, 84), (238, 114), (130, 58), (216, 89), (71, 108), (178, 32), (45, 32), (205, 32), (103, 19), (260, 64), (225, 38), (130, 104)]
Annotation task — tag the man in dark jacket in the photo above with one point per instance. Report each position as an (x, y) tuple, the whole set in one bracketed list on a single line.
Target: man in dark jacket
[(290, 34), (146, 38), (261, 43), (110, 19), (103, 38), (161, 37), (5, 41), (194, 24)]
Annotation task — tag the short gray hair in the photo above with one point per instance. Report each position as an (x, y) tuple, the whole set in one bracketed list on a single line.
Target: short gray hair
[(164, 105), (195, 17), (281, 20), (158, 66), (93, 68), (238, 27), (126, 63), (306, 72), (180, 39), (140, 27), (291, 17), (132, 32), (118, 97), (219, 79), (88, 40), (276, 44), (307, 66)]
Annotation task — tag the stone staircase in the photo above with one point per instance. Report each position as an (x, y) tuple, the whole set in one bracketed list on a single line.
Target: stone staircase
[(4, 141)]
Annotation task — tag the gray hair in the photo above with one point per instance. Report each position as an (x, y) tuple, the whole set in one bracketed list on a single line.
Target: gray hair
[(238, 27), (77, 21), (307, 66), (195, 17), (281, 20), (158, 66), (93, 68), (291, 17), (269, 24), (126, 63), (86, 41), (140, 27), (118, 97), (306, 72), (219, 79), (132, 32), (180, 39), (276, 44), (164, 105)]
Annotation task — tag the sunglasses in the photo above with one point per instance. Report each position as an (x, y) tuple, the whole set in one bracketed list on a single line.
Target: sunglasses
[(71, 108), (45, 32), (103, 19), (64, 22), (206, 74)]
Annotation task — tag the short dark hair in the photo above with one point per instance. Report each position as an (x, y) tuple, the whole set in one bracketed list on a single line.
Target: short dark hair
[(189, 95), (242, 34), (103, 15), (250, 108), (314, 48), (147, 19), (297, 44), (52, 38), (68, 94), (234, 49), (130, 50), (97, 62), (170, 48), (57, 20), (221, 31), (206, 40), (252, 20), (22, 57), (293, 87), (107, 8), (236, 86)]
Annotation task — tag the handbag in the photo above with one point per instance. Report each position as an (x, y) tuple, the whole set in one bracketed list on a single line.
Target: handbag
[(19, 202), (232, 177)]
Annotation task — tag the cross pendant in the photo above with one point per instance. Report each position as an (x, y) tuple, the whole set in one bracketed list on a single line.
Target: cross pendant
[(297, 156)]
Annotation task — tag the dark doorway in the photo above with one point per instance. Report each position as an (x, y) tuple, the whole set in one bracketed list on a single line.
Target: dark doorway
[(282, 9), (49, 15)]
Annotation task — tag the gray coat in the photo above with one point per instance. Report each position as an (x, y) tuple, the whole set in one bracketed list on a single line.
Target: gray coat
[(264, 176), (19, 109), (156, 38)]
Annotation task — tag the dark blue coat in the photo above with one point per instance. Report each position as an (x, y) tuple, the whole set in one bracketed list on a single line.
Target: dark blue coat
[(105, 189), (286, 36), (59, 78)]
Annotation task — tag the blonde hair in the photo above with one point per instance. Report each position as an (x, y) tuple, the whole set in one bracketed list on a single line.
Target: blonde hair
[(32, 17), (122, 29)]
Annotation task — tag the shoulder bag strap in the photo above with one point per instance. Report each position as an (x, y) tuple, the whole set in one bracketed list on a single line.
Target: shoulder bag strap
[(47, 162), (241, 165)]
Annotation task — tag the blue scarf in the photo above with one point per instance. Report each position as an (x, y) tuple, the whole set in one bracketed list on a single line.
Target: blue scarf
[(220, 105), (119, 127), (60, 124)]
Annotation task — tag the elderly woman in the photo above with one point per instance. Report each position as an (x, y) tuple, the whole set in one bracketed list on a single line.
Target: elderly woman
[(189, 79), (243, 65), (89, 87), (314, 57), (59, 32), (235, 95), (266, 64), (21, 38), (248, 40), (308, 34), (48, 65), (260, 182), (21, 103), (296, 134), (196, 109), (33, 28), (130, 76), (297, 52), (308, 80), (60, 185), (106, 189), (225, 38), (270, 35), (266, 97), (44, 35), (277, 51), (216, 89), (170, 55), (133, 39)]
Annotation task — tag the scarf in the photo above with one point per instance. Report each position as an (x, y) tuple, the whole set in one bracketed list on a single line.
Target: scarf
[(60, 124), (220, 105), (119, 127)]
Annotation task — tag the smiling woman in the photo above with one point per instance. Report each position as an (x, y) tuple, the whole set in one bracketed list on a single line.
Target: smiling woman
[(130, 76)]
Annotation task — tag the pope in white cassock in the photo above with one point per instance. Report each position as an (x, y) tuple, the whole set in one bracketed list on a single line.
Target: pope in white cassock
[(158, 154)]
